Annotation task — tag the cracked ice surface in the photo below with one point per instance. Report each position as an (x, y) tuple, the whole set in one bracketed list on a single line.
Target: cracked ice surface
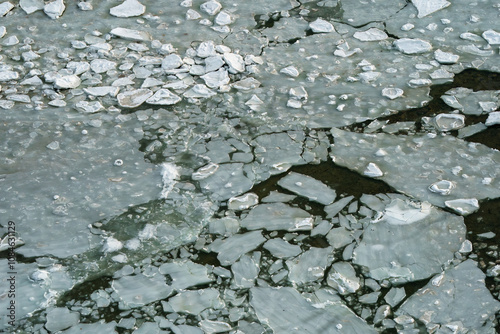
[(149, 156), (439, 158)]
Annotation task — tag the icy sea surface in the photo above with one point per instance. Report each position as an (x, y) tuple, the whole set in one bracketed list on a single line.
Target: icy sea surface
[(250, 167)]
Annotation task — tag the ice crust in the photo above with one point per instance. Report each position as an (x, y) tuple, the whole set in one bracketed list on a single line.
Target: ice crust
[(136, 155)]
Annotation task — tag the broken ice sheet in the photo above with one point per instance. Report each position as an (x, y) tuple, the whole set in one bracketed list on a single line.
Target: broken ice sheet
[(391, 247), (310, 265), (139, 290), (285, 311), (439, 158), (277, 216), (470, 102), (308, 187), (456, 296), (196, 301), (232, 248)]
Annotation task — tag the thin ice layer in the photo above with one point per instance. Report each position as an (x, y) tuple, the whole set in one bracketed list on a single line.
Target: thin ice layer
[(455, 297), (412, 164), (286, 311), (391, 247), (277, 216)]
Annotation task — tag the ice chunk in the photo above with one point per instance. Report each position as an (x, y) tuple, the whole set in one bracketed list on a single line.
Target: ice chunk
[(31, 6), (342, 277), (246, 84), (128, 8), (232, 248), (277, 216), (445, 57), (163, 97), (224, 18), (216, 79), (449, 122), (285, 311), (444, 303), (89, 107), (493, 118), (54, 9), (194, 302), (67, 81), (310, 266), (199, 91), (443, 187), (308, 187), (321, 26), (131, 34), (463, 206), (102, 91), (8, 75), (245, 271), (102, 65), (139, 290), (339, 237), (334, 208), (492, 36), (372, 34), (225, 226), (227, 181), (243, 202), (426, 7), (235, 62), (372, 170), (171, 62), (185, 274), (211, 7), (281, 249), (210, 327), (395, 296), (134, 98), (412, 46)]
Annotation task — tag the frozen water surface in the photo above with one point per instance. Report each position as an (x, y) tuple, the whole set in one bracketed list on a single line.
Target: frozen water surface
[(174, 168)]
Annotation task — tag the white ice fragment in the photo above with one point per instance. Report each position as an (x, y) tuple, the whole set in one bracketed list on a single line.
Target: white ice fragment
[(277, 216), (449, 122), (206, 49), (321, 26), (131, 34), (139, 290), (308, 187), (445, 57), (407, 27), (199, 91), (10, 41), (235, 62), (191, 14), (112, 245), (245, 271), (54, 9), (102, 91), (232, 248), (102, 65), (254, 103), (290, 71), (85, 6), (492, 36), (243, 202), (225, 226), (31, 6), (392, 93), (463, 206), (185, 274), (310, 266), (216, 79), (60, 318), (426, 7), (5, 7), (493, 118), (224, 18), (412, 45), (128, 8), (8, 75), (211, 326), (443, 187), (298, 93), (293, 103), (89, 107), (466, 247), (67, 81), (395, 296), (163, 97), (281, 249), (372, 34), (211, 7), (53, 145), (171, 62), (342, 277), (474, 50), (372, 170), (205, 171), (134, 98), (246, 84), (414, 83), (195, 301)]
